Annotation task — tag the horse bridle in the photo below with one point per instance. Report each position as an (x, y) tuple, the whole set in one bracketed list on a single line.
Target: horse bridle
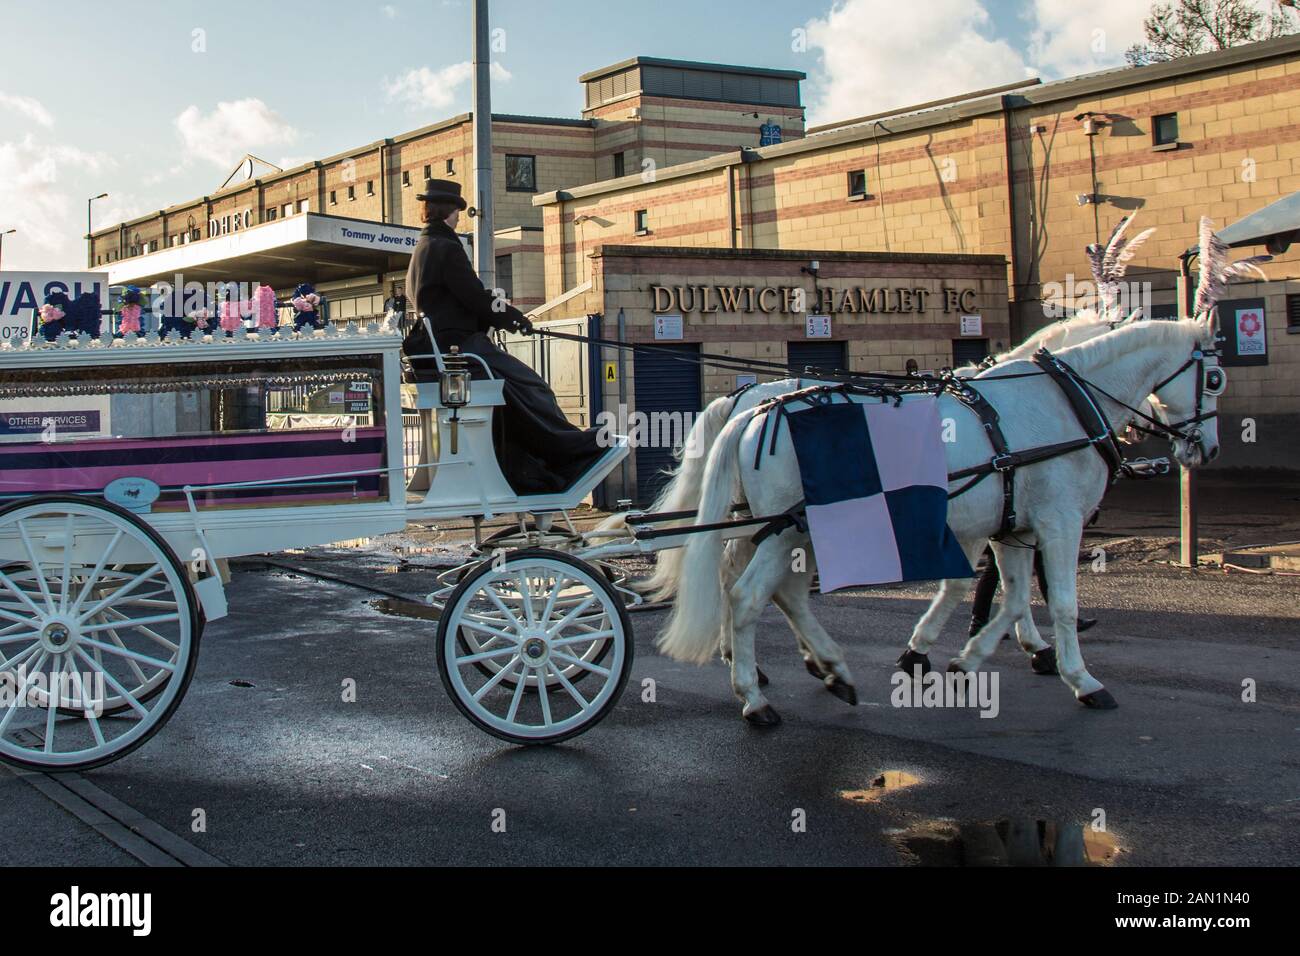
[(1210, 380)]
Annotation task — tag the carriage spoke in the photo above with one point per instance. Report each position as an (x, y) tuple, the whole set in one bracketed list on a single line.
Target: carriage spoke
[(66, 584), (18, 658), (21, 695), (568, 618), (542, 697), (496, 599), (36, 564), (568, 686), (87, 709), (130, 622), (26, 598), (484, 655), (497, 678), (148, 632), (526, 596), (94, 575), (135, 668), (112, 682), (519, 693), (15, 638), (592, 636), (131, 655), (53, 699), (121, 592), (556, 588), (474, 625), (585, 665)]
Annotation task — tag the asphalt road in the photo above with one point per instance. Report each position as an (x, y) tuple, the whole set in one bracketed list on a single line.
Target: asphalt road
[(287, 773)]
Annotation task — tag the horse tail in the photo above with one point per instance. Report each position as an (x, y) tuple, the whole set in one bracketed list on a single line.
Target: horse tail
[(682, 493), (695, 624)]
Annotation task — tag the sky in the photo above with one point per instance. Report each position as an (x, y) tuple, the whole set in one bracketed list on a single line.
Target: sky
[(154, 102)]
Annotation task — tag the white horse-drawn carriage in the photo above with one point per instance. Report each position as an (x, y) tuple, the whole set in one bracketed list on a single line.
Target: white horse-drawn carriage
[(130, 468)]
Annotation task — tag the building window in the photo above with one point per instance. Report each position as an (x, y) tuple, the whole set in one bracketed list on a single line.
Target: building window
[(302, 205), (428, 172), (506, 275), (620, 164), (521, 173), (451, 167), (858, 184), (271, 214), (642, 221), (1164, 129), (370, 187), (406, 177), (352, 193), (334, 199), (1293, 313)]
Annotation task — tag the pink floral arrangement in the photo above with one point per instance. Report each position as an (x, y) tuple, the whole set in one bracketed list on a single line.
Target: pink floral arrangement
[(51, 313), (264, 307), (130, 319), (200, 318), (232, 315), (306, 303)]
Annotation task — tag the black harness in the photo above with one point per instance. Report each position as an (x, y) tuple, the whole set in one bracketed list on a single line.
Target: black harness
[(1078, 392)]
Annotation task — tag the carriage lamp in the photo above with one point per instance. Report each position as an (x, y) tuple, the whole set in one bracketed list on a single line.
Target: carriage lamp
[(454, 390)]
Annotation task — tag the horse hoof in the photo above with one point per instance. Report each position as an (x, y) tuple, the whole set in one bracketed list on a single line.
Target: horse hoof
[(762, 678), (765, 716), (843, 690), (954, 667), (1044, 661), (911, 660), (811, 665), (1099, 700)]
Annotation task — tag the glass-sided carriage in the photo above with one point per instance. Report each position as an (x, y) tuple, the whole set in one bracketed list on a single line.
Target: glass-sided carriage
[(129, 468)]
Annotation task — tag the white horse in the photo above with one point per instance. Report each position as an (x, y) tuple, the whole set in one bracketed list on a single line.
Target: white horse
[(1054, 498)]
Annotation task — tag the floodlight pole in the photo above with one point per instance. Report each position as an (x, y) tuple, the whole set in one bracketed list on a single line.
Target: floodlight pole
[(484, 257), (1188, 525)]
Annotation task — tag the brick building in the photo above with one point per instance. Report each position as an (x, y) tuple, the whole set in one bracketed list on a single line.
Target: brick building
[(664, 181)]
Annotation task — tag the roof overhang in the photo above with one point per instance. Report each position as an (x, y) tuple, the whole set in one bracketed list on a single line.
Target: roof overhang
[(308, 247)]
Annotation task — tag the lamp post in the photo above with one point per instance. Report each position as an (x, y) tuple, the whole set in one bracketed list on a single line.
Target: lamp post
[(90, 252), (7, 232)]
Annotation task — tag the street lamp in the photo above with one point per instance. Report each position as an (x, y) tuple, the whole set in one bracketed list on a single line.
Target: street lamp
[(90, 252), (7, 232)]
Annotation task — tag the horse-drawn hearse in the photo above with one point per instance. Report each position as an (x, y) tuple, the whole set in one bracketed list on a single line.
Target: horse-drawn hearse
[(131, 467)]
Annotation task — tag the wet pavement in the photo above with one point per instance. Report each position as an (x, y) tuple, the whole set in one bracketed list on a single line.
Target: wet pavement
[(286, 771)]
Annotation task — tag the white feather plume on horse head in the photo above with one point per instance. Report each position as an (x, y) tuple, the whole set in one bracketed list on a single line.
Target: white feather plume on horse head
[(1109, 264), (1217, 271)]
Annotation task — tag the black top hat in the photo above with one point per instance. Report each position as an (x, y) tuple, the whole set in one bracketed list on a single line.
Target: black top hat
[(445, 189)]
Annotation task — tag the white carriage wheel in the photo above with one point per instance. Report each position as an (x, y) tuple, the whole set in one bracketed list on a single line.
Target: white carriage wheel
[(99, 631), (564, 605)]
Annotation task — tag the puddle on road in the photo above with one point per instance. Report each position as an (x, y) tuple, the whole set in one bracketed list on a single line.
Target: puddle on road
[(887, 782), (400, 607), (1007, 842), (1012, 841)]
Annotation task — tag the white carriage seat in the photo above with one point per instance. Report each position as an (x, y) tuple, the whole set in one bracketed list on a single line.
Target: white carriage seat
[(483, 392)]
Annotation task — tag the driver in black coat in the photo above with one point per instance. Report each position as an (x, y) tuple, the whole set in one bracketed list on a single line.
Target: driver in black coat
[(538, 448)]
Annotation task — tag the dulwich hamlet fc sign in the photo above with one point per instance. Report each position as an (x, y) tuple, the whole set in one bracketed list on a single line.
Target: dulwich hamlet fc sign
[(706, 299)]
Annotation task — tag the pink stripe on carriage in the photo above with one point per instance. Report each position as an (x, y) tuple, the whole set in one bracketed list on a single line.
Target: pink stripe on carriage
[(225, 441), (171, 474)]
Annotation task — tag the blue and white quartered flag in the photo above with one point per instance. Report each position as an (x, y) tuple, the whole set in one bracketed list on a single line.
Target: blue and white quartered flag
[(875, 482)]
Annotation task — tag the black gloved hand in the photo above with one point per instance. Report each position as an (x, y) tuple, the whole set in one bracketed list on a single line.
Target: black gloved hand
[(523, 326)]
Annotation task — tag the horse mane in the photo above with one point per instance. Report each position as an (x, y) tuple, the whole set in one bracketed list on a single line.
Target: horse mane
[(1121, 341)]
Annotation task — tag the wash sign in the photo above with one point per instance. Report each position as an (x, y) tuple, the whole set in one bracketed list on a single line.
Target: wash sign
[(22, 293)]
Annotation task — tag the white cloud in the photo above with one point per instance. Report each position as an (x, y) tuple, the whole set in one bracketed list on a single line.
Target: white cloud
[(1070, 37), (232, 129), (426, 89), (389, 11), (880, 54), (36, 180), (27, 106)]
